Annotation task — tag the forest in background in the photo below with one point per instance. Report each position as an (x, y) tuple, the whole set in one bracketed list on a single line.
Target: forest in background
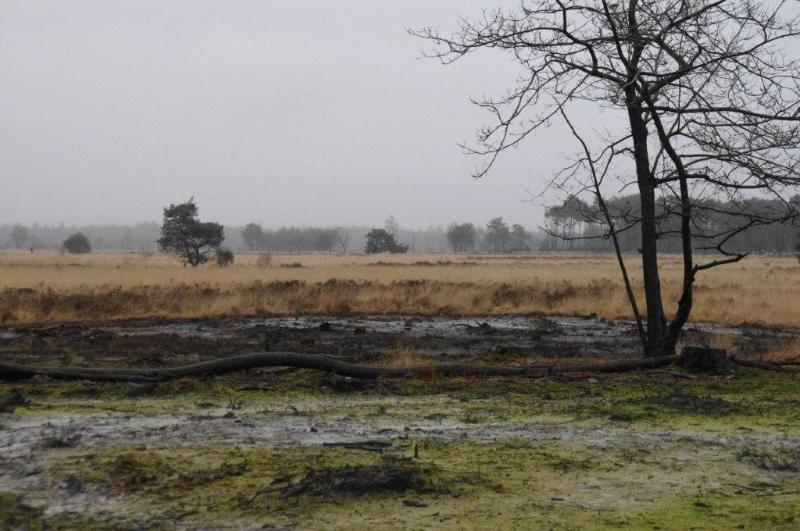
[(573, 225)]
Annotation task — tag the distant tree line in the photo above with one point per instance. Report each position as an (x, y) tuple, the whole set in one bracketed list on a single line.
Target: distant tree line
[(496, 237), (572, 225), (294, 239), (140, 237), (578, 225), (144, 237)]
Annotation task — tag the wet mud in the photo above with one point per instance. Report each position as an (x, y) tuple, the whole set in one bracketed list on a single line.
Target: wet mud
[(355, 338)]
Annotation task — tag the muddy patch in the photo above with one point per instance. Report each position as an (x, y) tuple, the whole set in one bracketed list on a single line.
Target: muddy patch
[(22, 438), (686, 402), (143, 344), (780, 459)]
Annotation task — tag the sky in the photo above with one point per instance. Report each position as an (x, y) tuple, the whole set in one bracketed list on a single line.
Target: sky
[(290, 112)]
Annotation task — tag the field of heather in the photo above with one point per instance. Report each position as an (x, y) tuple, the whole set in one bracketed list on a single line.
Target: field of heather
[(51, 288)]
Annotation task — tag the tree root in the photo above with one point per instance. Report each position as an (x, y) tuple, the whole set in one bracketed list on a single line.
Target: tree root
[(12, 371)]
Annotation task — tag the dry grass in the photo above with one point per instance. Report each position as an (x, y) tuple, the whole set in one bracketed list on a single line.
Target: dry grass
[(789, 350), (49, 287), (404, 357)]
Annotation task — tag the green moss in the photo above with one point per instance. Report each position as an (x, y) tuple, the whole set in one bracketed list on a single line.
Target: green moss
[(570, 483), (216, 483), (764, 403), (740, 511), (14, 514), (504, 485)]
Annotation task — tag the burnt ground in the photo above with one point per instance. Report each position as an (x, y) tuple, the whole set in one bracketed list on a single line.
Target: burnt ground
[(299, 449), (357, 339)]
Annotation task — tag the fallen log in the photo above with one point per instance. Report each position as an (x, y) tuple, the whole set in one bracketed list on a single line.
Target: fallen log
[(619, 366), (12, 371)]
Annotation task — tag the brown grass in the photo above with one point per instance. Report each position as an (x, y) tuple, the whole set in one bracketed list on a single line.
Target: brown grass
[(49, 287), (789, 350), (404, 357)]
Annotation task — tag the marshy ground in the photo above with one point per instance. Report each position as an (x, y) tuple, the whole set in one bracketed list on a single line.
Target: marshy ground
[(298, 449)]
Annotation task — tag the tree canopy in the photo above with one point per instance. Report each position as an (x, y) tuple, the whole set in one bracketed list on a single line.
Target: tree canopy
[(183, 234)]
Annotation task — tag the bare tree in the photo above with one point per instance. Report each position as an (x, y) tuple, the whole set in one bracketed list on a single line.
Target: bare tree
[(708, 98), (343, 238)]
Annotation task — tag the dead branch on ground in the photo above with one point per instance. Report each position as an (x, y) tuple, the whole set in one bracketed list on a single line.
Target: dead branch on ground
[(12, 371)]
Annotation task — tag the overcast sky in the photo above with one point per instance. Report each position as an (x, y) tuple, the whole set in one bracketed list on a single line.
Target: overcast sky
[(280, 112)]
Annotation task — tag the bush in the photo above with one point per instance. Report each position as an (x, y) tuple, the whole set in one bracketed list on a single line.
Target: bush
[(380, 241), (224, 257), (78, 243)]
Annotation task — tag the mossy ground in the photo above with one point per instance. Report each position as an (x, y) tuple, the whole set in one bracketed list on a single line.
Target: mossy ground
[(665, 399), (667, 454), (16, 514), (508, 484)]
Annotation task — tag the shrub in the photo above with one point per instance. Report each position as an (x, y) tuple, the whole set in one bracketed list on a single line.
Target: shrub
[(78, 243), (224, 257), (381, 241)]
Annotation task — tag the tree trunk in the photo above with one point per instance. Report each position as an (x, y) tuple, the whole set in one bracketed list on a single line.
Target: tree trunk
[(667, 346), (656, 322)]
